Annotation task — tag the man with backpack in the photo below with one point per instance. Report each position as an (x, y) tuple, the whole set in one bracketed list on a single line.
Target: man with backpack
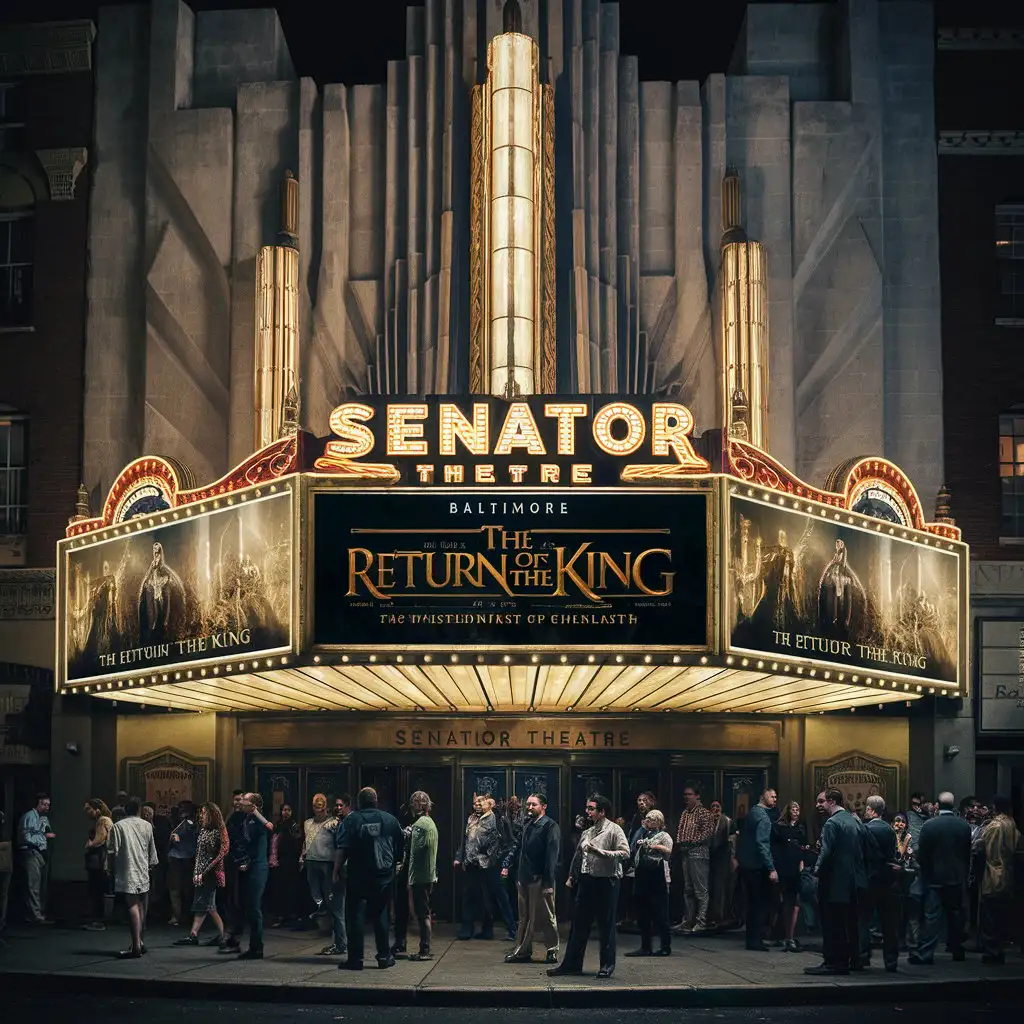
[(369, 848)]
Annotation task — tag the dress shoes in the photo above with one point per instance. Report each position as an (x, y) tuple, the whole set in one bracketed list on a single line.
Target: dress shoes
[(561, 970), (386, 963), (350, 965), (662, 952), (514, 958), (639, 952), (251, 954), (823, 970), (605, 972), (761, 947)]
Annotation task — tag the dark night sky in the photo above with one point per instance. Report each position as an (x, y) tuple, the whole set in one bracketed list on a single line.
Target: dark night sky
[(674, 39)]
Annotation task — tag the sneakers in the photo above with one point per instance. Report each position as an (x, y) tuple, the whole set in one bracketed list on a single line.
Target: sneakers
[(791, 946), (331, 950), (418, 957)]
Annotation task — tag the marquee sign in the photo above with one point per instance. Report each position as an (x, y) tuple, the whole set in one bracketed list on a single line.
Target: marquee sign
[(578, 440), (538, 568)]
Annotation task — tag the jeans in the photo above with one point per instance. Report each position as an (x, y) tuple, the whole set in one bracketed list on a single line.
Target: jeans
[(337, 906), (255, 885), (757, 889), (37, 872), (651, 893), (367, 901), (419, 904), (996, 920), (318, 876), (887, 900), (596, 898), (695, 887), (179, 886), (536, 913), (939, 899)]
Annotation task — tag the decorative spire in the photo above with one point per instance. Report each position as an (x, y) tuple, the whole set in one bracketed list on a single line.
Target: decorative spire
[(739, 428), (943, 509), (511, 17), (289, 233), (290, 419), (82, 510), (732, 216)]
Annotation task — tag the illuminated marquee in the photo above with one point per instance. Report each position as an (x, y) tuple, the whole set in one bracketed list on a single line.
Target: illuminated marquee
[(552, 441)]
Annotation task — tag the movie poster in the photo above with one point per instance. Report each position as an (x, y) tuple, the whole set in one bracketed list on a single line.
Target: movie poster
[(804, 586), (216, 586)]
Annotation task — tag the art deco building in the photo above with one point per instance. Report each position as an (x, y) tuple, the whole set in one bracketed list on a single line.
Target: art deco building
[(511, 213)]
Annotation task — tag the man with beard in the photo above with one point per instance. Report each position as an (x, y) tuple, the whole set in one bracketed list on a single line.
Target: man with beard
[(842, 880), (535, 883)]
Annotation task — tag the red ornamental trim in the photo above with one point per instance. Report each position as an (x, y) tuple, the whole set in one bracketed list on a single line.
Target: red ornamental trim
[(753, 466), (270, 463)]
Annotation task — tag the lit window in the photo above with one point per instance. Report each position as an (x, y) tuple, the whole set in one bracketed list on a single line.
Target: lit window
[(16, 270), (1010, 262), (13, 473)]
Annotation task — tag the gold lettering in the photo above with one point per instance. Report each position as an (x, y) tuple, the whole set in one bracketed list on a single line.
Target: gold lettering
[(549, 473), (517, 473), (566, 414), (485, 473), (519, 431), (401, 433), (354, 440), (453, 425), (673, 423), (454, 474), (581, 473), (426, 473), (666, 577), (363, 574), (636, 428), (565, 569)]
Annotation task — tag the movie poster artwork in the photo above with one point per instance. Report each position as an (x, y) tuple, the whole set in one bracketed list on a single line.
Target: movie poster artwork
[(209, 587), (803, 586)]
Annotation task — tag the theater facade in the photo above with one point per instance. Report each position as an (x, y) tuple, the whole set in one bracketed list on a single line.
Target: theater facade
[(560, 593), (514, 424)]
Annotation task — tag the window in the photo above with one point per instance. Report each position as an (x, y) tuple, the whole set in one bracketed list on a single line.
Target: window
[(1010, 261), (16, 270), (13, 474), (12, 118)]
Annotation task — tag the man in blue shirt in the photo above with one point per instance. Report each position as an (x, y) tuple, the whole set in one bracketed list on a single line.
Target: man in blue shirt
[(34, 835), (757, 867), (369, 846), (254, 864)]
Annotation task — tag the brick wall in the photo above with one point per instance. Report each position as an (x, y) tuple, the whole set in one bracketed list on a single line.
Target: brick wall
[(41, 371)]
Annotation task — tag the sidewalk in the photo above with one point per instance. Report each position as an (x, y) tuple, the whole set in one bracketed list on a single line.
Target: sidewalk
[(712, 971)]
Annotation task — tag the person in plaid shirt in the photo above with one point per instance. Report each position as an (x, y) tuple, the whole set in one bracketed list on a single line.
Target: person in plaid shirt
[(693, 838)]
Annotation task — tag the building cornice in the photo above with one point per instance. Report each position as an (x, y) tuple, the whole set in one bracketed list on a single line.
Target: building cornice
[(52, 48), (62, 167), (949, 38), (27, 594), (981, 142), (997, 579)]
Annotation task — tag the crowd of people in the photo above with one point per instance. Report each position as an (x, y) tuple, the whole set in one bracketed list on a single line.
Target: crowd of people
[(872, 880)]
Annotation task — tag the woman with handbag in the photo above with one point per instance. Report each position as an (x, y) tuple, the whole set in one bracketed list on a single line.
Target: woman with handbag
[(96, 861), (911, 889), (652, 848)]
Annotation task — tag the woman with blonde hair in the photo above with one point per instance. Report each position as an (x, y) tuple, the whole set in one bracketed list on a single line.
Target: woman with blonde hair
[(651, 849), (212, 846), (96, 860)]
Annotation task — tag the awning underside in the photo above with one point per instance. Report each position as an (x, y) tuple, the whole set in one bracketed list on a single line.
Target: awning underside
[(509, 688)]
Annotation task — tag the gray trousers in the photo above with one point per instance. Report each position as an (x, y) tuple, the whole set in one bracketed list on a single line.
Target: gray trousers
[(37, 879), (695, 887), (536, 913)]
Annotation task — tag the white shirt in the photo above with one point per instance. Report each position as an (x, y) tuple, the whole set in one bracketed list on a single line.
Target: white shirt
[(133, 850)]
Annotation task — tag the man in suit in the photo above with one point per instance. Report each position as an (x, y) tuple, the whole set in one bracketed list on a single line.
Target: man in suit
[(842, 879), (757, 867), (883, 894), (944, 858)]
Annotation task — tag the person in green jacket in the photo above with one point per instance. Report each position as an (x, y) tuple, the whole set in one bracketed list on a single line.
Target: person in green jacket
[(422, 870)]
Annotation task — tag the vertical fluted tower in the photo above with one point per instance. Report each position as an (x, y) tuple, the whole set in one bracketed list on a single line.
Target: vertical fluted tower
[(277, 321), (512, 283), (743, 281)]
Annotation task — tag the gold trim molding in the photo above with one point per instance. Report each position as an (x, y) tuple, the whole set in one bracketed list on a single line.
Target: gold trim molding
[(477, 268), (548, 365), (62, 167), (55, 48)]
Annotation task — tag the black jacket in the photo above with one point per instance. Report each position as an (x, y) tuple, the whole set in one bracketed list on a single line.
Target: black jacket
[(881, 850), (538, 854), (944, 850)]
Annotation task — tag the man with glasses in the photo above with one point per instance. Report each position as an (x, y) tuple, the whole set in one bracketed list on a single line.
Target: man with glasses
[(596, 874)]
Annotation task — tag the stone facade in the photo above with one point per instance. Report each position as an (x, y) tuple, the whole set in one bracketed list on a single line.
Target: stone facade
[(826, 112)]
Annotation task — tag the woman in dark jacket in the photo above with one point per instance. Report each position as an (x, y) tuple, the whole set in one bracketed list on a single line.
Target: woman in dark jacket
[(651, 850), (789, 846), (284, 862)]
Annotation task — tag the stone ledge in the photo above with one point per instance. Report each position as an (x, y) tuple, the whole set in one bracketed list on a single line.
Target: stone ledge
[(53, 48), (27, 594), (997, 579), (981, 141)]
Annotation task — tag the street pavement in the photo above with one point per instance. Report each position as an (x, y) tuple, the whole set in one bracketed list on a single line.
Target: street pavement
[(102, 1009), (712, 971)]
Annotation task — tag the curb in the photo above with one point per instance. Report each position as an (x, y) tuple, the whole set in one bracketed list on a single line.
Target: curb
[(595, 997)]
